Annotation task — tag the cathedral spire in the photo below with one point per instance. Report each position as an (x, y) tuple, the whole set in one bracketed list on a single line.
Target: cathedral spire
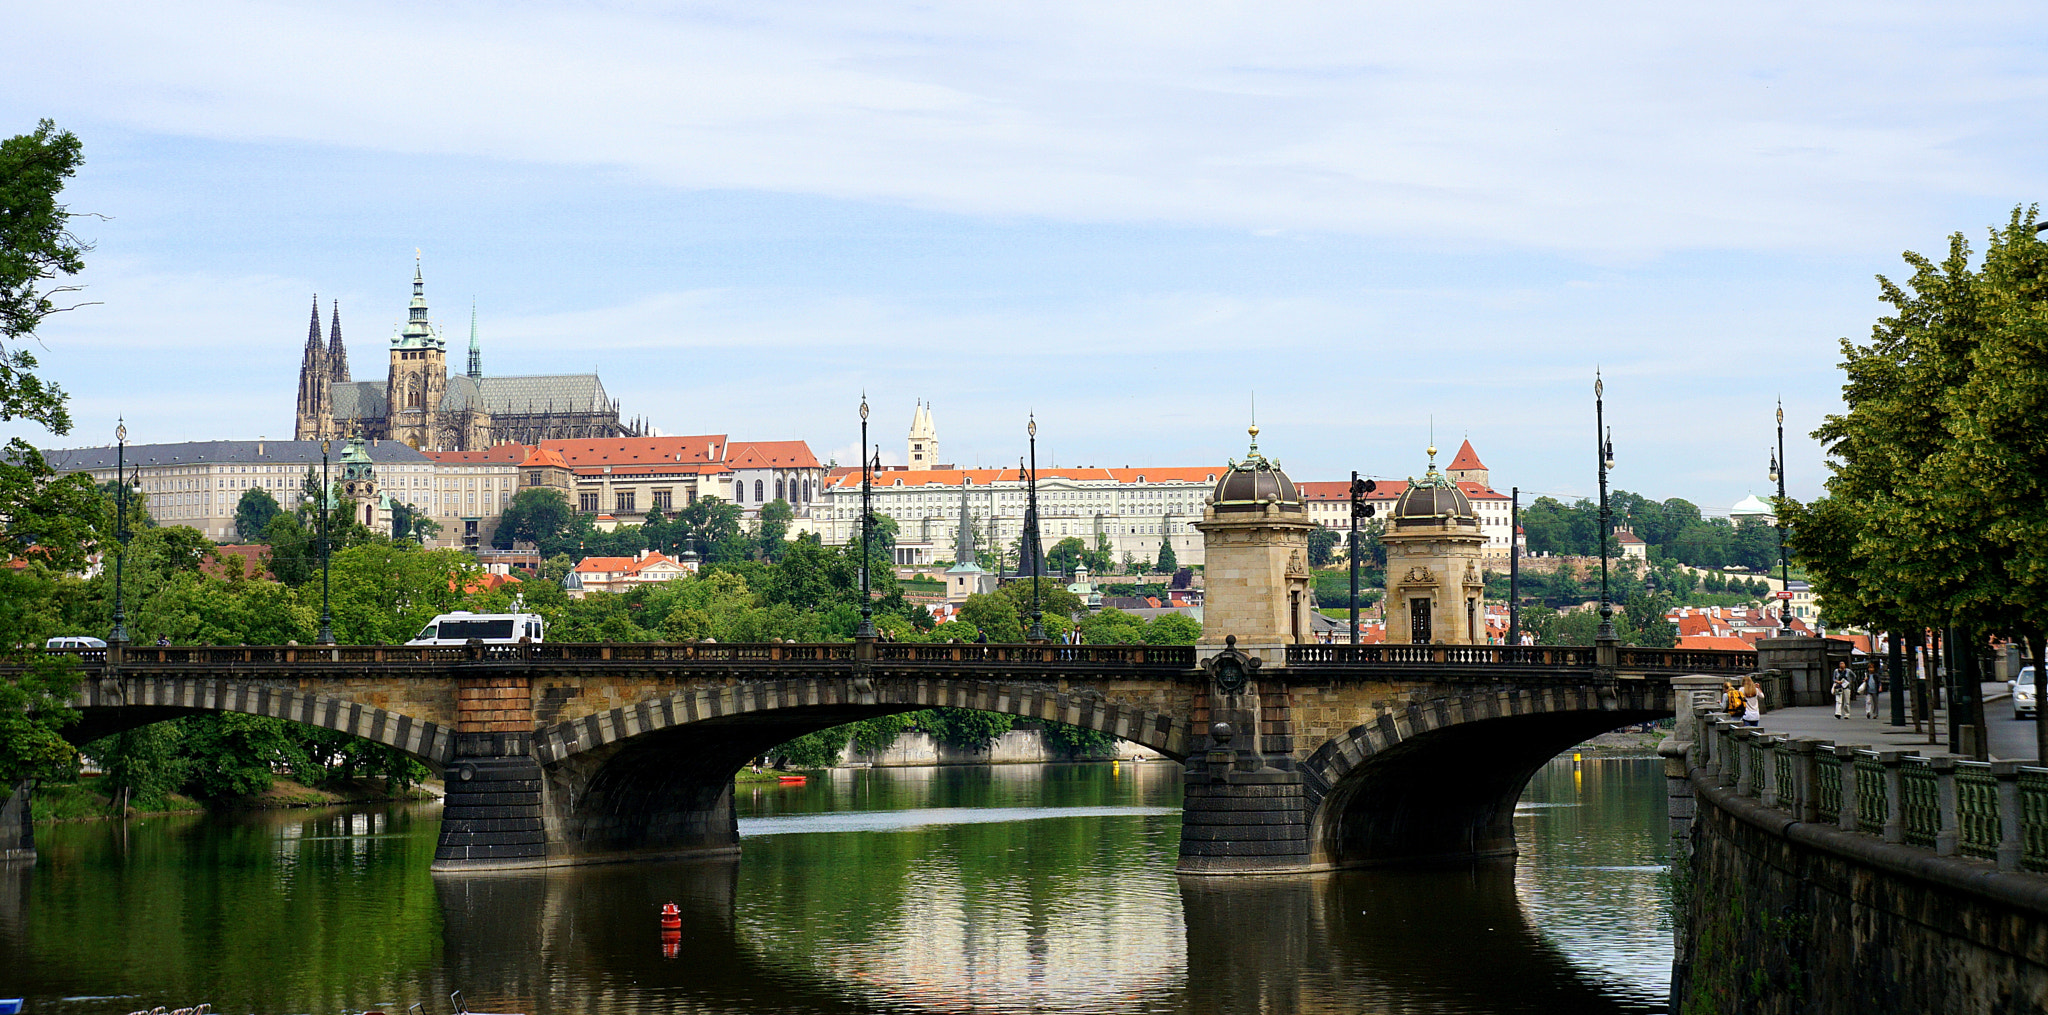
[(337, 354), (476, 356), (419, 332), (314, 400)]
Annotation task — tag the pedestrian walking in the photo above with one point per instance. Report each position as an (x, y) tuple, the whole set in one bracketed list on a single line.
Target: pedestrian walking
[(1870, 688), (1842, 687)]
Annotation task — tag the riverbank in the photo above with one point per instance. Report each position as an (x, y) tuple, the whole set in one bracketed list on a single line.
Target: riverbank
[(1623, 743), (84, 800)]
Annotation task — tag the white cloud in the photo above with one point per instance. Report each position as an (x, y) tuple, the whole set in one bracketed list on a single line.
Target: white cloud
[(1619, 128)]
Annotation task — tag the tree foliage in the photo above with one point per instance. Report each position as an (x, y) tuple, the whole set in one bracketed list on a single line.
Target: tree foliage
[(1937, 505)]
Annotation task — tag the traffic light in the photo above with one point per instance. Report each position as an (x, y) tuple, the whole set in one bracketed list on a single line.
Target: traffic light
[(1359, 488)]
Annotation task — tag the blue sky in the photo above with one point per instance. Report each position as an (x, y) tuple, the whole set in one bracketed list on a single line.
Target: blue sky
[(1125, 218)]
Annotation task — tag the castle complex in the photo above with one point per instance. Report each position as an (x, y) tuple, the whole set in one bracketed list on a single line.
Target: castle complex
[(420, 404)]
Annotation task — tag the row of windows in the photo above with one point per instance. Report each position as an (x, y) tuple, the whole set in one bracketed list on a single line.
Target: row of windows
[(789, 490)]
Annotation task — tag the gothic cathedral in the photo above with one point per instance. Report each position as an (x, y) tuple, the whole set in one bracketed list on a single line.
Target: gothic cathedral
[(418, 402)]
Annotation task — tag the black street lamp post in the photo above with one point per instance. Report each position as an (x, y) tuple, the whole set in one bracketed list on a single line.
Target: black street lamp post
[(1037, 632), (866, 630), (1603, 443), (1515, 566), (1784, 562), (1359, 508), (118, 637), (326, 547)]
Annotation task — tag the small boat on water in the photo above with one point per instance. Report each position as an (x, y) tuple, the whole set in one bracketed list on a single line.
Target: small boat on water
[(792, 780)]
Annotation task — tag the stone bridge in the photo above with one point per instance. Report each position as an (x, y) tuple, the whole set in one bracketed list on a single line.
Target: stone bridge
[(1325, 756)]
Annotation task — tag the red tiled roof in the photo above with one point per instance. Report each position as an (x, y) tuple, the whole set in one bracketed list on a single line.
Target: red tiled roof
[(846, 478), (506, 454), (616, 451), (1328, 490), (1480, 491), (544, 458), (622, 565), (771, 454), (1466, 458), (1711, 642)]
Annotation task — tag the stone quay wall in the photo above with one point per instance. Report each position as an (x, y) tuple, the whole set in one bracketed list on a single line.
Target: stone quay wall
[(1776, 915)]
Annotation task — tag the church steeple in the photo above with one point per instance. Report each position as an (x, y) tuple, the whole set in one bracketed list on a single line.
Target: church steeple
[(315, 401), (337, 355), (476, 356), (419, 332), (923, 440)]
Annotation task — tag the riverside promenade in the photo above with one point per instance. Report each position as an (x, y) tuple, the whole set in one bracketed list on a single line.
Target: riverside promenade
[(2011, 739)]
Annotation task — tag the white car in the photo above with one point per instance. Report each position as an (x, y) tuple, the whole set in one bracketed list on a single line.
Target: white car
[(74, 641), (2022, 693)]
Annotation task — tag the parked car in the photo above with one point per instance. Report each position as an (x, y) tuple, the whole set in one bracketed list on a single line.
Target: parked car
[(2022, 693), (74, 641)]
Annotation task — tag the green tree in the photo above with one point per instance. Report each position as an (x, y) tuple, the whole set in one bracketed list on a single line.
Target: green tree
[(992, 614), (537, 514), (1322, 546), (1065, 555), (772, 532), (1173, 629), (1166, 563), (254, 512)]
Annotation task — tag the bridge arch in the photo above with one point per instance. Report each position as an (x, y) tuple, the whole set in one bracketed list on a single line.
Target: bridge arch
[(1439, 780), (656, 776), (111, 705)]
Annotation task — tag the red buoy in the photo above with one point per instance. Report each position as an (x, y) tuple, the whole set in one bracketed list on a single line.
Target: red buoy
[(671, 917)]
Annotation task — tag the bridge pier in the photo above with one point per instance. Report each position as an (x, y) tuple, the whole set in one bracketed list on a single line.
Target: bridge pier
[(493, 816), (17, 826)]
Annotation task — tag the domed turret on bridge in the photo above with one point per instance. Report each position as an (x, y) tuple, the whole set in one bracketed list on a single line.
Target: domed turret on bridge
[(1255, 532), (1435, 591)]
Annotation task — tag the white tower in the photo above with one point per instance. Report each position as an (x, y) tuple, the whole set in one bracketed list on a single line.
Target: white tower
[(924, 440)]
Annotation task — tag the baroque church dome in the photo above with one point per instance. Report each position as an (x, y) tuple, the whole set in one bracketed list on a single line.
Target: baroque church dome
[(1255, 482), (1432, 500)]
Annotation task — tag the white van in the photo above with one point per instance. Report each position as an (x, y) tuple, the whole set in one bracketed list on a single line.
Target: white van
[(74, 641), (490, 628)]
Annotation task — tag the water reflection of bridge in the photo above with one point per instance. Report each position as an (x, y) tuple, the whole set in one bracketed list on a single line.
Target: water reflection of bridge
[(561, 753)]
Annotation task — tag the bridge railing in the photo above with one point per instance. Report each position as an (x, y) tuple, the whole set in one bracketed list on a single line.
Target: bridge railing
[(1703, 661), (1463, 655), (1690, 660), (1171, 656), (1996, 811)]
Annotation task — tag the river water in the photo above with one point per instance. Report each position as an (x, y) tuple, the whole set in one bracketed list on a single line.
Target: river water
[(1024, 888)]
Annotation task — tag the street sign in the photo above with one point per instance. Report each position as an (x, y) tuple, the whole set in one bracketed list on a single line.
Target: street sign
[(1783, 593)]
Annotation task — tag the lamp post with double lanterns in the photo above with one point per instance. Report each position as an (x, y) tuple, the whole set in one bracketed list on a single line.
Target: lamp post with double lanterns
[(1037, 632), (1603, 442), (1359, 509), (866, 630), (118, 637), (1784, 562)]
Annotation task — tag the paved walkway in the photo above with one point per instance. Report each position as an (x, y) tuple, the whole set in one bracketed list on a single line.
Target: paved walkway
[(2011, 739)]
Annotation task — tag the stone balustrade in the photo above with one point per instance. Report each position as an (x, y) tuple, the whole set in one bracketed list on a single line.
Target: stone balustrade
[(1995, 811)]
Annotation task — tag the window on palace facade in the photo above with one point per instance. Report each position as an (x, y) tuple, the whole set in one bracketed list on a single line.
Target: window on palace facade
[(760, 491), (587, 503), (625, 500), (663, 499), (533, 479), (778, 488)]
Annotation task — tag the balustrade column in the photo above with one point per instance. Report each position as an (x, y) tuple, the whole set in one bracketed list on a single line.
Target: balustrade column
[(1945, 805), (1804, 806), (1852, 800), (1771, 791), (1728, 754), (1894, 795), (1744, 743), (2011, 837)]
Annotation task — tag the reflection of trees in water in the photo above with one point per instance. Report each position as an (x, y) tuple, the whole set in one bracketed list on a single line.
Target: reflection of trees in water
[(1452, 940), (1384, 941)]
